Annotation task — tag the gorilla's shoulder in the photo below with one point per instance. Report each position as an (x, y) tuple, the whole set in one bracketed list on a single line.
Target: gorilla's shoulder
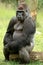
[(29, 20), (13, 19)]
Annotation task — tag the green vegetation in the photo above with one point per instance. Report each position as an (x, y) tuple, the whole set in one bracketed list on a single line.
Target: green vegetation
[(14, 2), (5, 15), (40, 4), (39, 32)]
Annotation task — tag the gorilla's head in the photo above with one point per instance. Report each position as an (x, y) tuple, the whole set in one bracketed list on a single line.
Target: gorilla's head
[(21, 13)]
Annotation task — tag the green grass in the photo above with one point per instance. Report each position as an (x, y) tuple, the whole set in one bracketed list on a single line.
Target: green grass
[(39, 35), (5, 16)]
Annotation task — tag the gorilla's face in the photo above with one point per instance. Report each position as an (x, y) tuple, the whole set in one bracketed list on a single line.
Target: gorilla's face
[(20, 15)]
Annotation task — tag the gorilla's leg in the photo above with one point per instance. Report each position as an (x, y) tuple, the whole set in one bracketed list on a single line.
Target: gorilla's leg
[(24, 55), (30, 48), (6, 52)]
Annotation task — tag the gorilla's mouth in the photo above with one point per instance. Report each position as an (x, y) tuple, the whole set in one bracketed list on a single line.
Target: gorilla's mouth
[(20, 18)]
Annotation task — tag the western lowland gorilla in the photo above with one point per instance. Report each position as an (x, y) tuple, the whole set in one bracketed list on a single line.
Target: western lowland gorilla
[(19, 38)]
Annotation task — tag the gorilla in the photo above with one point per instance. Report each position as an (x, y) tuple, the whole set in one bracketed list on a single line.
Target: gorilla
[(19, 38)]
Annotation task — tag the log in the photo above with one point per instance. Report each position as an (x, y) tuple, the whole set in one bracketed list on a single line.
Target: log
[(33, 56), (36, 56)]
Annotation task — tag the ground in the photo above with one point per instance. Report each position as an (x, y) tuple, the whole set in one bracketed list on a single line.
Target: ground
[(5, 16)]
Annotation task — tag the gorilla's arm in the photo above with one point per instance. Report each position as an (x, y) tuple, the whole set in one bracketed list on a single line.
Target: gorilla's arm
[(18, 44), (10, 30), (29, 28)]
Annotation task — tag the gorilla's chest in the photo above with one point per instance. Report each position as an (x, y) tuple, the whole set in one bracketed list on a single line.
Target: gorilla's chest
[(18, 30), (18, 27)]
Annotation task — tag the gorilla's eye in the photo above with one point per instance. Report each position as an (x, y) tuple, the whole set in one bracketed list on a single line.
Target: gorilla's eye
[(22, 13)]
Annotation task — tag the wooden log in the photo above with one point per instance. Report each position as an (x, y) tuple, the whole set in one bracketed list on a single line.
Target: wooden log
[(36, 56), (33, 56), (13, 56)]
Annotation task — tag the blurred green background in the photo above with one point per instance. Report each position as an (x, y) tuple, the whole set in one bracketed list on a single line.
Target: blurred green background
[(7, 11)]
